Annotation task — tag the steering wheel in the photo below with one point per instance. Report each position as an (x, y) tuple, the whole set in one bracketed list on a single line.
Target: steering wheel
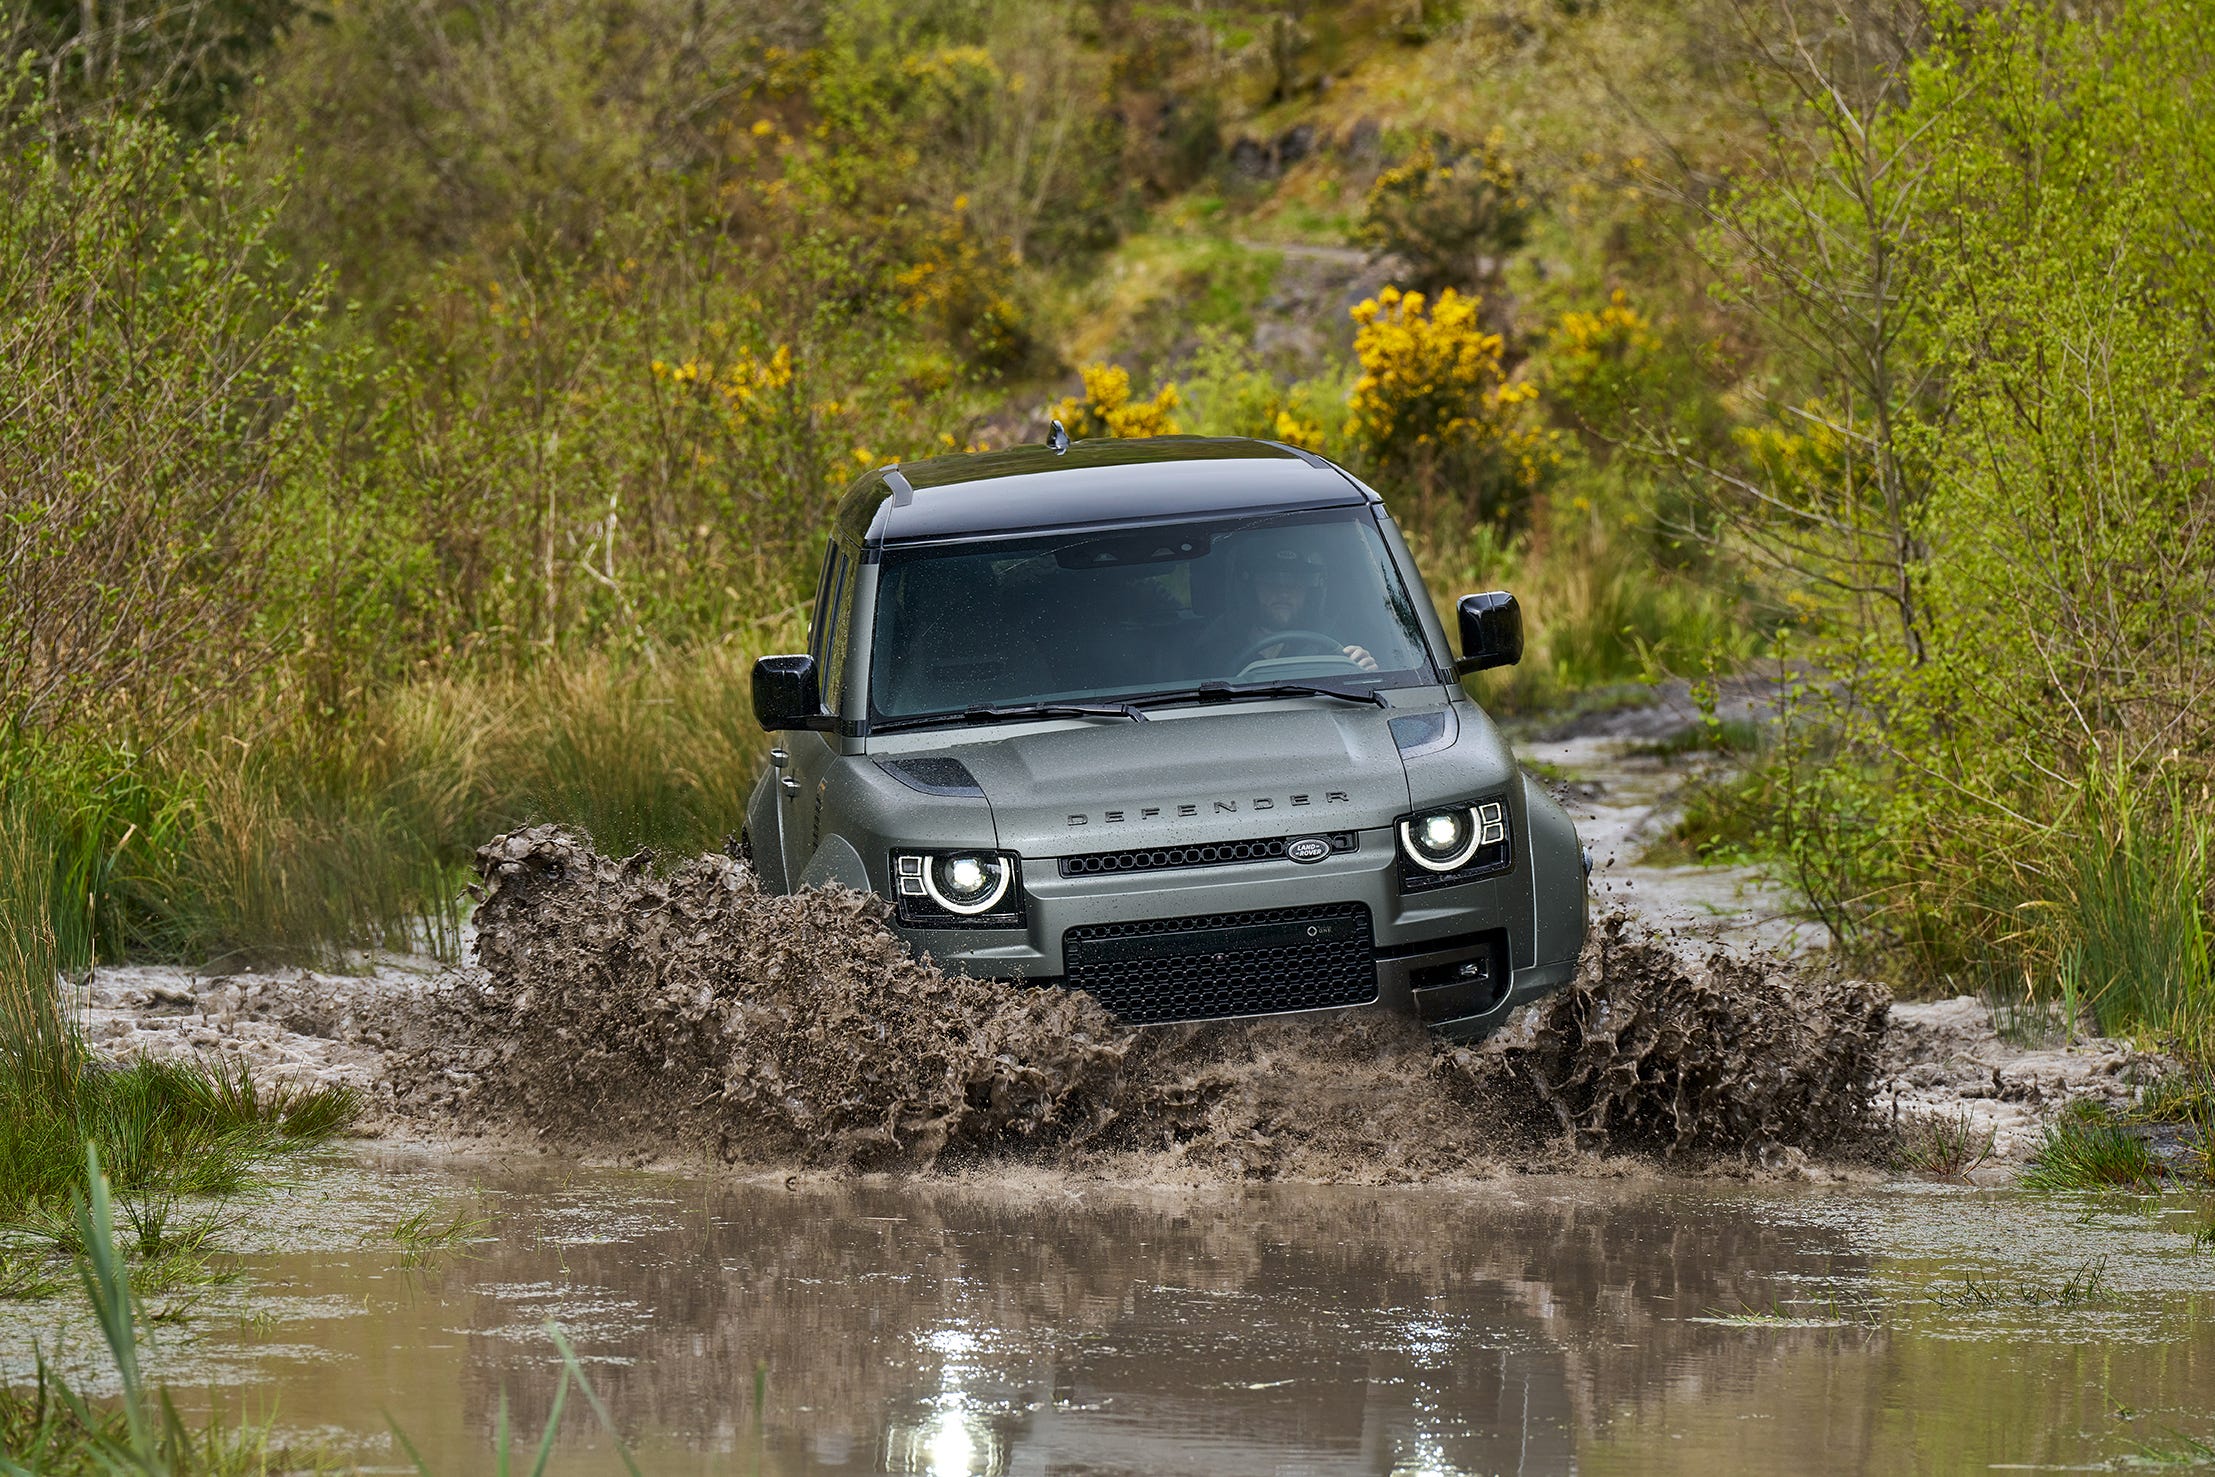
[(1324, 646)]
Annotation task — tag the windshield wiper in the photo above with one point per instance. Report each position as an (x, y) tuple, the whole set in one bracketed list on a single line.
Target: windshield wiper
[(1011, 712), (1226, 692)]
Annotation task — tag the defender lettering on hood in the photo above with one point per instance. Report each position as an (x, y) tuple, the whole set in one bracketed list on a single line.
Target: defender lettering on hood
[(1187, 809), (1172, 721)]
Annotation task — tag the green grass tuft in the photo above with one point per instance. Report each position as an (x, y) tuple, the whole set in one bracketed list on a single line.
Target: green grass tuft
[(1941, 1144), (2083, 1287), (49, 1430), (166, 1132), (2175, 1449), (2083, 1152)]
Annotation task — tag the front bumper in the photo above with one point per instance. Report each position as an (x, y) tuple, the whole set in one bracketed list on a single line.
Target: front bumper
[(1458, 958)]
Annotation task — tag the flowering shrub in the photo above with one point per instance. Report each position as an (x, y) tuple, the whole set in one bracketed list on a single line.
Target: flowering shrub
[(1107, 408), (1598, 364), (1433, 398), (741, 388), (964, 284), (1293, 431), (1452, 217)]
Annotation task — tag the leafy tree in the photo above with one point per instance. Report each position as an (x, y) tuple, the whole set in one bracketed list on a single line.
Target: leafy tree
[(186, 59)]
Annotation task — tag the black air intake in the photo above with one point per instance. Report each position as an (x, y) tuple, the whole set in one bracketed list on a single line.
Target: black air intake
[(1225, 964)]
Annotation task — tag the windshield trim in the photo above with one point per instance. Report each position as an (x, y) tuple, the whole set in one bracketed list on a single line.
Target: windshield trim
[(1367, 689)]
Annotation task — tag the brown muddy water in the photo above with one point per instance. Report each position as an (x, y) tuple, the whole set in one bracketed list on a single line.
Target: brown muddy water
[(1527, 1324)]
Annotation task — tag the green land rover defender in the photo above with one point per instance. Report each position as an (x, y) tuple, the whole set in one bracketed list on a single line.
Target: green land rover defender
[(1172, 721)]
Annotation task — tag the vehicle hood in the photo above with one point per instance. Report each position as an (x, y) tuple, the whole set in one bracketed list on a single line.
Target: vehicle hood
[(1215, 776)]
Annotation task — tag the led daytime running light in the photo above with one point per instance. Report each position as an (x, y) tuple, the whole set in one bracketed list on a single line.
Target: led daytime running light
[(984, 904), (1478, 834)]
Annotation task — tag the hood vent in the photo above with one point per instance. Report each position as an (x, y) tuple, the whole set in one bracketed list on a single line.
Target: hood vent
[(934, 775), (1423, 733)]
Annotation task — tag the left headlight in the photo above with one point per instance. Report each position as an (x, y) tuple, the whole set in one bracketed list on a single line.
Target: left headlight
[(1453, 842), (957, 889)]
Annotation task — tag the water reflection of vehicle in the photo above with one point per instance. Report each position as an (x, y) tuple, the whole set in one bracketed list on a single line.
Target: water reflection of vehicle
[(949, 1331), (1172, 721)]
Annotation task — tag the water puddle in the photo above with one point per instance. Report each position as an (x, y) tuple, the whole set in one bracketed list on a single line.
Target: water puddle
[(935, 1326)]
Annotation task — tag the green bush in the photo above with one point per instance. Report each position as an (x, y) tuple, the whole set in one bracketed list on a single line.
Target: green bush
[(1453, 212), (150, 349), (1976, 471)]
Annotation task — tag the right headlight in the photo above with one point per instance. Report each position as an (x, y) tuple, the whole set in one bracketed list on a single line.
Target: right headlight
[(1440, 840), (1452, 842), (957, 889)]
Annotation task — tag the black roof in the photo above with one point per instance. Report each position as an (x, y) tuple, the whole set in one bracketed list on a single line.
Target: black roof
[(1094, 482)]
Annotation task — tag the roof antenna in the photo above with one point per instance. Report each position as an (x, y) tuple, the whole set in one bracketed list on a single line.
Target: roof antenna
[(1057, 440)]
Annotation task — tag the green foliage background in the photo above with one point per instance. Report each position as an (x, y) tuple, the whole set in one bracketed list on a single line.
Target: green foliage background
[(414, 416)]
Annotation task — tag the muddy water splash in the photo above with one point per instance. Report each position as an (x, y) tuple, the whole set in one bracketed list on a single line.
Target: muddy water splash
[(617, 1007), (1649, 1050)]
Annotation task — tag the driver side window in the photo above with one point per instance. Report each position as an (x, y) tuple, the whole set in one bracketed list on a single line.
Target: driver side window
[(839, 636), (827, 627)]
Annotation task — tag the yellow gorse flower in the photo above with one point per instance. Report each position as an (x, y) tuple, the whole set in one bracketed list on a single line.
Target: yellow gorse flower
[(741, 389), (1107, 408), (960, 279), (1434, 379), (1293, 431)]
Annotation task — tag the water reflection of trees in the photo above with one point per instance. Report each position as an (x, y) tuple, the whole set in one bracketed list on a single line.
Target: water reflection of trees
[(940, 1327)]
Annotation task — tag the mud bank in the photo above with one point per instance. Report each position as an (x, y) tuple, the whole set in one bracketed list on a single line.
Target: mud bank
[(615, 1007), (1946, 1060), (291, 1025)]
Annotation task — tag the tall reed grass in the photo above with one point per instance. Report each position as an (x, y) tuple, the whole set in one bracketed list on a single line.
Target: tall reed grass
[(303, 844), (168, 1129), (2131, 939), (41, 1051)]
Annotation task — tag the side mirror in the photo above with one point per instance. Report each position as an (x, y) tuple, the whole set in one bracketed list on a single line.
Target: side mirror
[(1491, 632), (786, 693)]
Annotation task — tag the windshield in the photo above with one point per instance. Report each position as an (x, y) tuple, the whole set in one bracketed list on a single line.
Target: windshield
[(1088, 616)]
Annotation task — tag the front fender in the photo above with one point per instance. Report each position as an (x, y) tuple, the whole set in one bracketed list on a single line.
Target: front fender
[(1558, 889), (763, 820), (836, 861)]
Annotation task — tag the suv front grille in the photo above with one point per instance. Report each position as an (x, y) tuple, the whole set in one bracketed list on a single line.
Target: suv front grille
[(1188, 969), (1199, 854)]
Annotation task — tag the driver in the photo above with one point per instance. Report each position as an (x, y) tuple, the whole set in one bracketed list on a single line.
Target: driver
[(1277, 582)]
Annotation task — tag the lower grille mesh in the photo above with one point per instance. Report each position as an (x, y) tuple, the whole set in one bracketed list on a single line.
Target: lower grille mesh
[(1186, 969)]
